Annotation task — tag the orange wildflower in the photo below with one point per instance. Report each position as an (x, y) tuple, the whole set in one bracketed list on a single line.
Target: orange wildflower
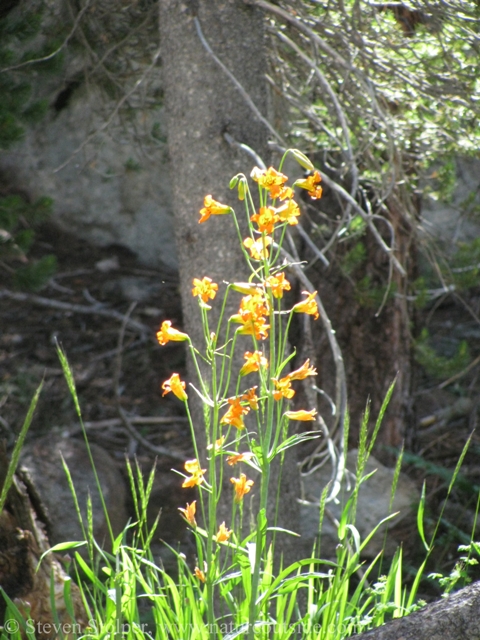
[(252, 327), (250, 315), (258, 248), (239, 457), (235, 413), (176, 386), (206, 289), (223, 533), (288, 212), (212, 208), (265, 219), (270, 179), (242, 486), (303, 415), (308, 305), (189, 513), (253, 362), (193, 467), (200, 575), (304, 371), (283, 388), (311, 184), (251, 397), (278, 284), (167, 334)]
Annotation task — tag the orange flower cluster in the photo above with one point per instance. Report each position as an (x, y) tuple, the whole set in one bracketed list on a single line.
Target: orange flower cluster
[(251, 315), (196, 478)]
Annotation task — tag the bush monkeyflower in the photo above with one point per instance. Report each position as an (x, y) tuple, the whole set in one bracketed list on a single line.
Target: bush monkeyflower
[(304, 371), (189, 513), (258, 248), (205, 288), (193, 467), (242, 486), (252, 327), (265, 219), (223, 533), (253, 362), (288, 212), (278, 284), (251, 397), (302, 415), (167, 334), (246, 288), (235, 413), (270, 179), (198, 573), (176, 386), (308, 305), (311, 184), (283, 388), (218, 444), (212, 208), (239, 457)]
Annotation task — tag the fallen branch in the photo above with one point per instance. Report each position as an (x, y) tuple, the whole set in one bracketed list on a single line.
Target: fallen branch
[(74, 308)]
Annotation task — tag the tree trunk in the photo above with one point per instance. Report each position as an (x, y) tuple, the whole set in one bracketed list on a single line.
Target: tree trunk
[(454, 618), (203, 105)]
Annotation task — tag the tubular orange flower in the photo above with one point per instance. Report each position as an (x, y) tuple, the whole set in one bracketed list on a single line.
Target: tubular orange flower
[(284, 388), (193, 467), (189, 513), (278, 284), (200, 575), (302, 415), (167, 334), (311, 184), (258, 248), (176, 386), (304, 371), (251, 397), (223, 533), (239, 457), (253, 362), (235, 413), (206, 289), (265, 219), (308, 305), (288, 212), (242, 486), (252, 327), (212, 208), (270, 179)]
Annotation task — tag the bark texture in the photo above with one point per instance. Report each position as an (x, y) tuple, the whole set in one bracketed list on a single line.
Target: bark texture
[(454, 618), (202, 105)]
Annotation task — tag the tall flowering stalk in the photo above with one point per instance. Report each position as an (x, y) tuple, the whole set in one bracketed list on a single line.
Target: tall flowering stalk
[(247, 411)]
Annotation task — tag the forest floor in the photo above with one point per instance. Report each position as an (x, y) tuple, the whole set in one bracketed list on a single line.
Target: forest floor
[(104, 289)]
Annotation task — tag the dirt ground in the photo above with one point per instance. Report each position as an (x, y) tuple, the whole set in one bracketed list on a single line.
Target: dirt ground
[(105, 290)]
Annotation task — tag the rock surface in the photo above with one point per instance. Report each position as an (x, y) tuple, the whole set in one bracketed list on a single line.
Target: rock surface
[(373, 505)]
